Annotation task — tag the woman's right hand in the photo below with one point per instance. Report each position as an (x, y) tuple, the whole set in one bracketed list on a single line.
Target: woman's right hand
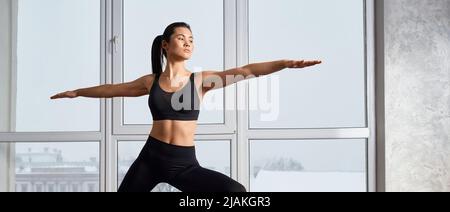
[(67, 94)]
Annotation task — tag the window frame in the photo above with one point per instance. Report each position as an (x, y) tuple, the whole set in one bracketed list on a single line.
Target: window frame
[(366, 148), (246, 134), (10, 138), (236, 127)]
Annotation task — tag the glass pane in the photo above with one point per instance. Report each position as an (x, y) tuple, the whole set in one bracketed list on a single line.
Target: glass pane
[(308, 166), (58, 49), (330, 95), (50, 167), (213, 155), (139, 33)]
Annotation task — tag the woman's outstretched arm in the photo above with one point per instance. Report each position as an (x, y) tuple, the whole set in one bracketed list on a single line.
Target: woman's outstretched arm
[(131, 89), (215, 80), (261, 69)]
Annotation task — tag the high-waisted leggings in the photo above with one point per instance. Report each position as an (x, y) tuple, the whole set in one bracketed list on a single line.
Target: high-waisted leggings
[(160, 162)]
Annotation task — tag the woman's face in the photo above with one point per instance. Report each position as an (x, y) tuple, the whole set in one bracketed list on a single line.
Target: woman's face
[(181, 44)]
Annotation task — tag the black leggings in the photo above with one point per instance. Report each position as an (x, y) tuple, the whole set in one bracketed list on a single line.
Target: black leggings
[(161, 162)]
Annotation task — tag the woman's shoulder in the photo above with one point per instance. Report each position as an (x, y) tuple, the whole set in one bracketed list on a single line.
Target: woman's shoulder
[(148, 80)]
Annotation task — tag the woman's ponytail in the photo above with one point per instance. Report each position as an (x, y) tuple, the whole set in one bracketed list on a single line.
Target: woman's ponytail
[(157, 55)]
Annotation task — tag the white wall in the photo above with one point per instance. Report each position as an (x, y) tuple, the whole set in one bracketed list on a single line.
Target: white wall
[(417, 48)]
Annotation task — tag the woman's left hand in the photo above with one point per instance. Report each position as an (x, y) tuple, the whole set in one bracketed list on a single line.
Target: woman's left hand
[(301, 63)]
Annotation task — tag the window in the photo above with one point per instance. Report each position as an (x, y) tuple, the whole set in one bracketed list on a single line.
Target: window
[(39, 188), (326, 110), (91, 188), (24, 188), (308, 165), (75, 188), (55, 46), (54, 163), (331, 95), (59, 45), (58, 49), (63, 188), (51, 188)]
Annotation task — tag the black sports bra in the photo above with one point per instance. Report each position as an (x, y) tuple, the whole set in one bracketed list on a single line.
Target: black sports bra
[(171, 105)]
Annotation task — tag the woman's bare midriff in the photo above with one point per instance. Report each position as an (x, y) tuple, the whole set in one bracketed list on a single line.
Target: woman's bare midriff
[(179, 133)]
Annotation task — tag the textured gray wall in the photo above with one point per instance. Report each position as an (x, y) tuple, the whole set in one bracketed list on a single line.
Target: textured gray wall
[(417, 48)]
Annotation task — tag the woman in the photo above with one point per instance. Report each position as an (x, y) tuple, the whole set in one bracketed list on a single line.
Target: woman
[(169, 153)]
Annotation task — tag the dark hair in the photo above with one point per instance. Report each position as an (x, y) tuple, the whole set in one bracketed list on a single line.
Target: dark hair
[(158, 53)]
